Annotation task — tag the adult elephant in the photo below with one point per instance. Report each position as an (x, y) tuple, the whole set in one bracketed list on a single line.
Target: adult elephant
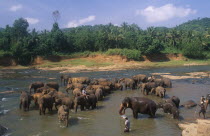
[(45, 102), (167, 82), (118, 86), (138, 105), (35, 97), (25, 100), (64, 79), (128, 83), (189, 104), (82, 80), (79, 100), (67, 101), (106, 83), (168, 107), (175, 100), (99, 94), (147, 87), (76, 92), (140, 78), (35, 86), (91, 101), (159, 91), (73, 86), (54, 85)]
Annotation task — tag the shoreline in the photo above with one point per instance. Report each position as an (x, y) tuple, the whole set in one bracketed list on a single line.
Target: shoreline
[(107, 63)]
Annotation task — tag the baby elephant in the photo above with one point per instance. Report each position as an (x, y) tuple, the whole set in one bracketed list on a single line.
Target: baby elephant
[(170, 108), (25, 100), (63, 114)]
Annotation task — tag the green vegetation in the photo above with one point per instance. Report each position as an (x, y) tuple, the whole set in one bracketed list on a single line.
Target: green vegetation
[(191, 38)]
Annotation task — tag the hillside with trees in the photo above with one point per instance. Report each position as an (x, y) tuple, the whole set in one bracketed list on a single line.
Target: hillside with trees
[(127, 40)]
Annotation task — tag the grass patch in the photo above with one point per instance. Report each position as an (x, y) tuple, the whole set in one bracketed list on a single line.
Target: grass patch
[(75, 62)]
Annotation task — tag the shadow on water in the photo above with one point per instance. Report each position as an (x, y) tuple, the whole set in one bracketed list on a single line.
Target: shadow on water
[(73, 121)]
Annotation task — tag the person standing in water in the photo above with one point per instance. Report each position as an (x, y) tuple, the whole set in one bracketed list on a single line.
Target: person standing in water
[(127, 125)]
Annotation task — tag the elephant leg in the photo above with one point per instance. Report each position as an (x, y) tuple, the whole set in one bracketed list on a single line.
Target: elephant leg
[(20, 106), (135, 114)]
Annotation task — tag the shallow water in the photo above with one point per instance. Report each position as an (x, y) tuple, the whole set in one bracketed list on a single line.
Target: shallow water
[(104, 121)]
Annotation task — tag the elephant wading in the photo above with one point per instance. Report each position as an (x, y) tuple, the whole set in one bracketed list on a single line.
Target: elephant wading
[(140, 78), (45, 102), (128, 83), (73, 86), (79, 100), (35, 86), (67, 101), (147, 87), (159, 91), (63, 114), (174, 100), (170, 108), (91, 101), (64, 79), (25, 101), (53, 85), (82, 80), (138, 105)]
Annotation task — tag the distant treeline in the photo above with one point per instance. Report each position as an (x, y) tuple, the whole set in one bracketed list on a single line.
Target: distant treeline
[(191, 38)]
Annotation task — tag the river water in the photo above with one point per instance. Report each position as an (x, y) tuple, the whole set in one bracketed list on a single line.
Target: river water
[(104, 121)]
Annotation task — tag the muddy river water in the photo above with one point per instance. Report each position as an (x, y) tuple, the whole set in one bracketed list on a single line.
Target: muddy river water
[(104, 121)]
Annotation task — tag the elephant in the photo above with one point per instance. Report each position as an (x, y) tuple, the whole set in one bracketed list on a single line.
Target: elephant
[(140, 78), (54, 85), (128, 82), (35, 97), (73, 86), (138, 105), (77, 92), (67, 101), (45, 101), (189, 104), (25, 100), (167, 82), (82, 80), (106, 83), (63, 114), (168, 107), (114, 80), (41, 89), (118, 86), (91, 101), (94, 87), (79, 100), (35, 86), (159, 91), (99, 94), (90, 91), (174, 100), (147, 87), (64, 79), (102, 80)]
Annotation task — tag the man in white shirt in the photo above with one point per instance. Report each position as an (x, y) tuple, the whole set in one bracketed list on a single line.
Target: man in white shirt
[(127, 125)]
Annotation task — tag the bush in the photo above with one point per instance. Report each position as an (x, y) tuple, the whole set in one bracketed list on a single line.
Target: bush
[(193, 50), (130, 54)]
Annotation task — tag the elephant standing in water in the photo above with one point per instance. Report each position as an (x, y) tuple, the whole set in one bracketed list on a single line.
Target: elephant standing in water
[(63, 114), (64, 79), (140, 78), (53, 85), (170, 108), (25, 100), (138, 105), (35, 86), (174, 100), (159, 91)]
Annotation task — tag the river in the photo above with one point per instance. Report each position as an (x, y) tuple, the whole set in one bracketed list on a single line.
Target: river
[(104, 121)]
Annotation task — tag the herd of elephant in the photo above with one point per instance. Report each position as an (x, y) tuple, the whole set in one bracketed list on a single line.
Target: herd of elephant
[(47, 95)]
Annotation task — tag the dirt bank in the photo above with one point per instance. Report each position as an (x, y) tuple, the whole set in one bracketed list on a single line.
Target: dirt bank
[(107, 63), (199, 128)]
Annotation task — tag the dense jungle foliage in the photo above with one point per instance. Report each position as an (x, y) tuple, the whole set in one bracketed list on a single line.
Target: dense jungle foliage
[(191, 38)]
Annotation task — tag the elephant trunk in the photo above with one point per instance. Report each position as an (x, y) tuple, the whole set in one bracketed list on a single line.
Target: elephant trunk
[(122, 110)]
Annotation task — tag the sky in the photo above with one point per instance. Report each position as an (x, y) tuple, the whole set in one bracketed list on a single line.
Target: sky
[(73, 13)]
